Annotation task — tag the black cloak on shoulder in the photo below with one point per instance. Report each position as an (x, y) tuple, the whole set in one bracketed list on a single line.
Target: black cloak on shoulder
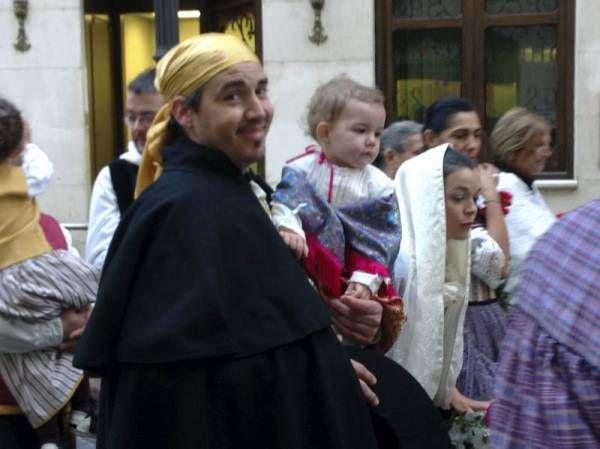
[(206, 332), (196, 270)]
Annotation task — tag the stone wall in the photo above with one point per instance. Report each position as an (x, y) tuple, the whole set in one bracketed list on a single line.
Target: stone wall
[(48, 84), (586, 113), (296, 66)]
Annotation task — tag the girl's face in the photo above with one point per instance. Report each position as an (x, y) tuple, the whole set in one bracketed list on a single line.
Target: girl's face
[(463, 132), (532, 159), (353, 139), (461, 188)]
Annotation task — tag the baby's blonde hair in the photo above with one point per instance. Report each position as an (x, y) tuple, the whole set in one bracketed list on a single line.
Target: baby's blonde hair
[(331, 98), (514, 131)]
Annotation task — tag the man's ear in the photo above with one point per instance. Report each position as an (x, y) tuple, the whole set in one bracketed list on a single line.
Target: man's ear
[(429, 139), (181, 112), (322, 132)]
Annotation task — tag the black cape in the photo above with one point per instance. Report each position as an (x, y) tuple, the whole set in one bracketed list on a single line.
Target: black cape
[(197, 270), (405, 417), (206, 332)]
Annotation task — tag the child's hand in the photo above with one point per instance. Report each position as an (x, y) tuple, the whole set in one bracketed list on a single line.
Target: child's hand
[(358, 290), (294, 241)]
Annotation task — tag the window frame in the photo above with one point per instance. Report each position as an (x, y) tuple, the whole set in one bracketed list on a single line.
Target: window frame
[(473, 23)]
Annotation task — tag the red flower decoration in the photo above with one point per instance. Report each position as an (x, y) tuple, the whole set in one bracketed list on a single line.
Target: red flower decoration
[(505, 202)]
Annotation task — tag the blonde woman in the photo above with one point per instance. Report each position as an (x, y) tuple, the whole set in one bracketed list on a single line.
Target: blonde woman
[(520, 144)]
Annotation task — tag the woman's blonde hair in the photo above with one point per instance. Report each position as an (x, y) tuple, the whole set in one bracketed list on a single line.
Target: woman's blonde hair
[(514, 132), (331, 98)]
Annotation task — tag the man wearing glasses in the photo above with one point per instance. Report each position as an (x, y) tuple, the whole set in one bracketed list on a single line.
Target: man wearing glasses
[(114, 186)]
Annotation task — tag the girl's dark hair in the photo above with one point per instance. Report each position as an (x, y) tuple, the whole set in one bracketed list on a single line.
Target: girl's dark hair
[(11, 129), (438, 114), (454, 161)]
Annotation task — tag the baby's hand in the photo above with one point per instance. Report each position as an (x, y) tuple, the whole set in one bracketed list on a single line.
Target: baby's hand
[(294, 241), (358, 290)]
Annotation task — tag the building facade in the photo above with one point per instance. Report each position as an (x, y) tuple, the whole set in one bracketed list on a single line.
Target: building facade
[(60, 89)]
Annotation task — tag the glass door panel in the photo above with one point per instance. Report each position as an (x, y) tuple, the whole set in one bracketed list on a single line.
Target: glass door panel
[(520, 6), (427, 9), (427, 66), (521, 69)]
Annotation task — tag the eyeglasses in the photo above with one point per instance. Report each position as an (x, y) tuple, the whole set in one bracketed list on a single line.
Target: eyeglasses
[(144, 118)]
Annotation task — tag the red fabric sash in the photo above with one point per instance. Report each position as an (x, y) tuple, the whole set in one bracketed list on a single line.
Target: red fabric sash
[(53, 232), (324, 268), (5, 397)]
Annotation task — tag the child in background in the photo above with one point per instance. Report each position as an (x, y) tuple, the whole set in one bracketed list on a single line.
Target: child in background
[(337, 212), (37, 283)]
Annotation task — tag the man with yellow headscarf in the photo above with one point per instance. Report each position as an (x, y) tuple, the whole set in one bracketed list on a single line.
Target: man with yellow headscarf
[(201, 340)]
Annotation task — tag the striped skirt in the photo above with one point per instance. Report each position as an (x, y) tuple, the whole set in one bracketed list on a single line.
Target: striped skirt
[(42, 382)]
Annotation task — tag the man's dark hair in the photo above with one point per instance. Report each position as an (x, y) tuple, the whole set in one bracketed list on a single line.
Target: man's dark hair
[(193, 101), (11, 129), (143, 83), (440, 111)]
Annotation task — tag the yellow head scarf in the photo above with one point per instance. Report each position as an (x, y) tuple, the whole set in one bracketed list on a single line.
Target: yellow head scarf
[(184, 69), (21, 236)]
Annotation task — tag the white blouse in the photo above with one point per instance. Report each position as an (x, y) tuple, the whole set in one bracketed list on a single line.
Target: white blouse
[(528, 218), (340, 186), (487, 261), (104, 211)]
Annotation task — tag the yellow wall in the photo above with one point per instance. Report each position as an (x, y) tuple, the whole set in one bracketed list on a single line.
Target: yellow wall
[(100, 87), (138, 44), (188, 28)]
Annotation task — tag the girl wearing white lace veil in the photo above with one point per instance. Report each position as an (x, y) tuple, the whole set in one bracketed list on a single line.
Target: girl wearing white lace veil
[(436, 193)]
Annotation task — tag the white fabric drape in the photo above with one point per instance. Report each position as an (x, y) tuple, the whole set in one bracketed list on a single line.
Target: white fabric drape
[(435, 298)]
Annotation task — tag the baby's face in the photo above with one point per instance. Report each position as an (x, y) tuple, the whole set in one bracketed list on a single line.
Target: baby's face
[(353, 139)]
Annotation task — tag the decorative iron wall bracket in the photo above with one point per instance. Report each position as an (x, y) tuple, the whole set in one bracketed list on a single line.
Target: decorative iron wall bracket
[(21, 8), (318, 35)]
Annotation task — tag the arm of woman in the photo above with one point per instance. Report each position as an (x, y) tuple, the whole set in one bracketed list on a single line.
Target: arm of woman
[(488, 262), (494, 215), (17, 336)]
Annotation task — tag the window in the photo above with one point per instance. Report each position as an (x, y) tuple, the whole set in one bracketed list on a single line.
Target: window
[(497, 53)]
